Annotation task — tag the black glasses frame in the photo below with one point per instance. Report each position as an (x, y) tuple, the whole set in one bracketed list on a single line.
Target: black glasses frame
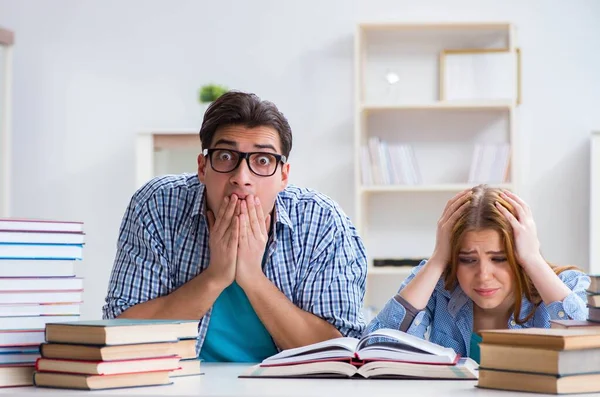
[(241, 156)]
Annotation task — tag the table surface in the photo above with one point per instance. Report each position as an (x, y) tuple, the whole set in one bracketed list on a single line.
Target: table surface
[(222, 380)]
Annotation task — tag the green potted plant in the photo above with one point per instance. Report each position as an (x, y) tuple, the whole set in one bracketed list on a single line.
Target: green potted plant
[(210, 92)]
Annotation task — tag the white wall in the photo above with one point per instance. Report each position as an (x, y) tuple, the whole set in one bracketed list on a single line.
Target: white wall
[(89, 74)]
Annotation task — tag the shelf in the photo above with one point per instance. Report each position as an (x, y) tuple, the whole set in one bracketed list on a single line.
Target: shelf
[(433, 26), (449, 105), (447, 187), (389, 271)]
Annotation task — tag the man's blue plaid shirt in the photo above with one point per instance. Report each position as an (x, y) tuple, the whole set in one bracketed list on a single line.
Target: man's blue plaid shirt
[(315, 256)]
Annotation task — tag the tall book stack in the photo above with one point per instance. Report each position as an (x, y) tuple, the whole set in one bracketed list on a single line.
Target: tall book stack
[(554, 361), (118, 353), (37, 286), (593, 298)]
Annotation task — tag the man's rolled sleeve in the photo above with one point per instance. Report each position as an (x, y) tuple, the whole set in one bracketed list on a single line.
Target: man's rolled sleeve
[(140, 271), (335, 289)]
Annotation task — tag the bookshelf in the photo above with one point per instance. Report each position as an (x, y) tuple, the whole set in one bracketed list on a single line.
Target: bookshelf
[(595, 203), (6, 48), (435, 90)]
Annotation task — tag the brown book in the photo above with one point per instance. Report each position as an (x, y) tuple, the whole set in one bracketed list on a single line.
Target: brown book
[(593, 314), (121, 331), (593, 300), (594, 287), (538, 383), (99, 382), (187, 368), (185, 349), (573, 324), (107, 367), (545, 338), (529, 359), (12, 375)]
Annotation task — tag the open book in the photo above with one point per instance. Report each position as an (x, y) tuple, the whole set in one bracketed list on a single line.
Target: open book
[(382, 353)]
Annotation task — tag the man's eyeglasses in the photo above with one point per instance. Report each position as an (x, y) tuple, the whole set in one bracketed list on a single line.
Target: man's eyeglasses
[(260, 163)]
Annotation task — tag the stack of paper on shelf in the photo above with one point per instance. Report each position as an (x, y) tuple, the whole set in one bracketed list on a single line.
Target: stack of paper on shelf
[(107, 354), (389, 164), (37, 286), (490, 163), (555, 361), (385, 353)]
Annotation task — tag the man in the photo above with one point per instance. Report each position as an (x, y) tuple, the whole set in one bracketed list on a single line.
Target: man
[(264, 265)]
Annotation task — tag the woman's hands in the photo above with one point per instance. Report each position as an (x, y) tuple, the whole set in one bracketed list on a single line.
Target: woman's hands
[(455, 207), (527, 244)]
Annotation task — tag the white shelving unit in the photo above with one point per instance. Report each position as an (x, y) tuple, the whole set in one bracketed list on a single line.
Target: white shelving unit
[(595, 204), (405, 78), (165, 152), (6, 47)]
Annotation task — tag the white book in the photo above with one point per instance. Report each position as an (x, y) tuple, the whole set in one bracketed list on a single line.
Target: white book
[(17, 358), (473, 177), (384, 163), (39, 225), (365, 166), (381, 353), (19, 349), (41, 251), (34, 309), (41, 237), (41, 284), (33, 322), (37, 268), (382, 344), (373, 144), (41, 297), (22, 338)]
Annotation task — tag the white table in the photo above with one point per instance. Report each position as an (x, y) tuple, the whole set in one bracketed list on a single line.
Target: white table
[(222, 380)]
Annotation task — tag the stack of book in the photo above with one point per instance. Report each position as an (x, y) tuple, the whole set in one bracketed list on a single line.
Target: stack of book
[(554, 361), (594, 299), (37, 286), (108, 354)]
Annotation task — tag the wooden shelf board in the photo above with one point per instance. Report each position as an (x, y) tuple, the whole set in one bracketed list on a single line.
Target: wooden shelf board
[(443, 105), (446, 187), (389, 270)]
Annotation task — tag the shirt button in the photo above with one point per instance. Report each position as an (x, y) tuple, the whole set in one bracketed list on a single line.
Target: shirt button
[(417, 322), (513, 323), (561, 314)]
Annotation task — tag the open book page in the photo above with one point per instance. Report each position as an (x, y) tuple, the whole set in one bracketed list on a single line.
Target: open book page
[(465, 368), (318, 369), (333, 349), (394, 345)]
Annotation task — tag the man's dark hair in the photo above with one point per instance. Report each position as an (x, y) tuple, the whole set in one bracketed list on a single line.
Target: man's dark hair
[(240, 108)]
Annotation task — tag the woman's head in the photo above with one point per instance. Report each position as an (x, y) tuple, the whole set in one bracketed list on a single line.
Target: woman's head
[(483, 258)]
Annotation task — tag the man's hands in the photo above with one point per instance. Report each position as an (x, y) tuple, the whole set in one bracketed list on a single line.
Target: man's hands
[(223, 241), (237, 240), (253, 236)]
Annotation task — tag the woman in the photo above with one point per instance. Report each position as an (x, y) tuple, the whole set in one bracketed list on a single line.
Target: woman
[(486, 272)]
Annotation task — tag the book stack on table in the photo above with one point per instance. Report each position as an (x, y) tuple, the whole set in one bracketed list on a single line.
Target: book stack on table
[(555, 361), (37, 285), (108, 354)]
